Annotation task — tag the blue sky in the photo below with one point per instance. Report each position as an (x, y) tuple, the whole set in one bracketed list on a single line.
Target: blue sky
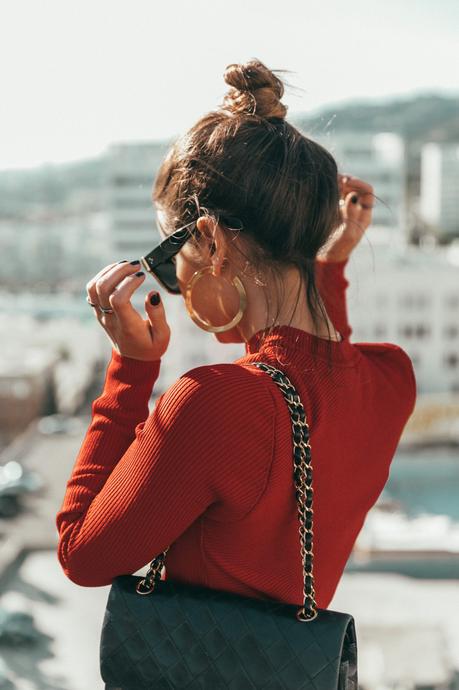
[(76, 76)]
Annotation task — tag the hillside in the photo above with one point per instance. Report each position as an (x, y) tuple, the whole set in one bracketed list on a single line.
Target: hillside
[(427, 117)]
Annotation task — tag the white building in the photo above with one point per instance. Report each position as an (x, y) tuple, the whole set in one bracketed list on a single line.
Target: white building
[(439, 202), (409, 296), (378, 159), (54, 249), (132, 170)]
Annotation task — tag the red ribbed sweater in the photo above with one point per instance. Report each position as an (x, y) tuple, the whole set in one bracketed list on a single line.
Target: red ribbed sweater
[(209, 469)]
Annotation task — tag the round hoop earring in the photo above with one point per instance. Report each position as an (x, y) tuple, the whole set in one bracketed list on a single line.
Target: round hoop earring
[(206, 325)]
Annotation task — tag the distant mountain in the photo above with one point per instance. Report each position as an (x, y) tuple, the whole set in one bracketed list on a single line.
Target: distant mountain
[(427, 117)]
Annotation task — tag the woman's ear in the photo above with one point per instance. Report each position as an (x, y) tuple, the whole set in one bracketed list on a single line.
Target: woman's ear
[(215, 239)]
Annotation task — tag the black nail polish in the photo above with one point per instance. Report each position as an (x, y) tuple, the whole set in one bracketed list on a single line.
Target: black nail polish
[(354, 198), (134, 263), (123, 261), (140, 273), (155, 299)]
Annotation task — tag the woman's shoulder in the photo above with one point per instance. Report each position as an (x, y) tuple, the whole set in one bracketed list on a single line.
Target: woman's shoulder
[(223, 388), (389, 351), (397, 361)]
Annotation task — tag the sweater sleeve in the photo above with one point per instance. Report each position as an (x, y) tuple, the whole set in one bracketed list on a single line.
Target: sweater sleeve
[(138, 482), (332, 285)]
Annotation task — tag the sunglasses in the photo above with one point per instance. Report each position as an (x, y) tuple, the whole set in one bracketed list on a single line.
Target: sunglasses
[(161, 262)]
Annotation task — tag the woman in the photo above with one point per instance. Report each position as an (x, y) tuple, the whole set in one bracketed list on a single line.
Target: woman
[(209, 470)]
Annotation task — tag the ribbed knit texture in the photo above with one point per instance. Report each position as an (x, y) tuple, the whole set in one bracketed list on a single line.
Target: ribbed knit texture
[(209, 470)]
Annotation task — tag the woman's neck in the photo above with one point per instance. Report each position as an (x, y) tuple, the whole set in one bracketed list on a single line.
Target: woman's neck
[(260, 299)]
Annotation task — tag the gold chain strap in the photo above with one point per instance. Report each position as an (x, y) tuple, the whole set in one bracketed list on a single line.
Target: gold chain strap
[(302, 477)]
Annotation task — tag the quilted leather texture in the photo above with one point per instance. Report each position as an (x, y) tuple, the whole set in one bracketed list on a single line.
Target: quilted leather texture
[(185, 636)]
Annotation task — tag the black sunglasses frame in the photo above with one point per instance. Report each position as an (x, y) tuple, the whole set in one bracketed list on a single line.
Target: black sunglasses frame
[(159, 261)]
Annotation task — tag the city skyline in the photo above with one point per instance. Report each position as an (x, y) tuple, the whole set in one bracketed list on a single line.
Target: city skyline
[(78, 78)]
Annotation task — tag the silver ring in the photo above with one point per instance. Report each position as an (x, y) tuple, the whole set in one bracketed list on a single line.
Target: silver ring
[(105, 310)]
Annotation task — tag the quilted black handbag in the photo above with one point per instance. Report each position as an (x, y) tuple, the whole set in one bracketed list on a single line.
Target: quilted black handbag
[(188, 636)]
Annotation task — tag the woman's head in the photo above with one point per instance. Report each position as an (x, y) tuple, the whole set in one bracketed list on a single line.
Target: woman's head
[(246, 161)]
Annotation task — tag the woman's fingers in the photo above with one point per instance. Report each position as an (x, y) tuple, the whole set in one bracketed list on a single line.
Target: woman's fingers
[(355, 206), (120, 299), (108, 282), (130, 334), (91, 285), (159, 326), (349, 186), (356, 214), (351, 209), (351, 182), (341, 184), (364, 190), (367, 200)]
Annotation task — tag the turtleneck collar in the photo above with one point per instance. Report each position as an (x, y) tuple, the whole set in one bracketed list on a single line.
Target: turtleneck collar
[(300, 343)]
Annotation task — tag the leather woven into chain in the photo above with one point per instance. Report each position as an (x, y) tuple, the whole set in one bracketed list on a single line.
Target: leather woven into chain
[(302, 477)]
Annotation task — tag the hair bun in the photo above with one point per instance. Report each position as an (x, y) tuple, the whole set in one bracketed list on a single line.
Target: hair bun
[(255, 90)]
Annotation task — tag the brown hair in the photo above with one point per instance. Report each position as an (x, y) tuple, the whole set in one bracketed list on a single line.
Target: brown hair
[(245, 160)]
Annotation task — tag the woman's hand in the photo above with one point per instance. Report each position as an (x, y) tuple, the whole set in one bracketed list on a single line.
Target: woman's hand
[(131, 335), (356, 204)]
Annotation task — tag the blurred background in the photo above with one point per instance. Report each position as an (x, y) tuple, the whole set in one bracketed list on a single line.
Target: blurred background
[(93, 93)]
